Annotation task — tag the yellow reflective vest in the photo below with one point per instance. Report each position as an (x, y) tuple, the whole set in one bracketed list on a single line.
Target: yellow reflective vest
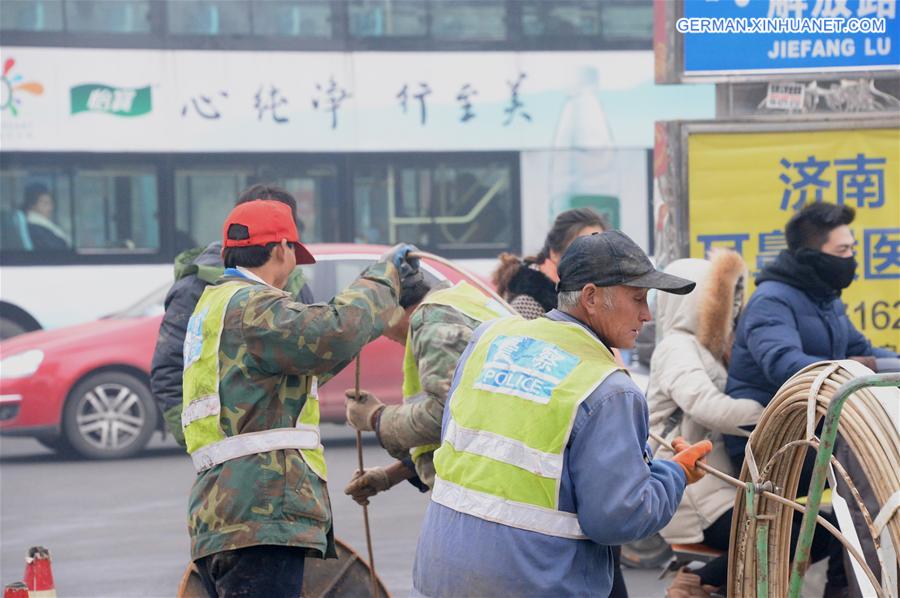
[(465, 299), (511, 415), (206, 441)]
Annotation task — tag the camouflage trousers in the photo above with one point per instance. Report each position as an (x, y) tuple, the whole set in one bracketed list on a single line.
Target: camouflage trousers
[(271, 571)]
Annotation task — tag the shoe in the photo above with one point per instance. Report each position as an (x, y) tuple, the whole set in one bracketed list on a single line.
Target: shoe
[(687, 585)]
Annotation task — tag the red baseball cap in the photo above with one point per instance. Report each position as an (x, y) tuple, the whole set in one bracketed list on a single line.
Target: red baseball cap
[(264, 221)]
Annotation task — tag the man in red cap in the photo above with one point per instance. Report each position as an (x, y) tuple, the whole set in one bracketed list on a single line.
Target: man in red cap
[(195, 269), (253, 359)]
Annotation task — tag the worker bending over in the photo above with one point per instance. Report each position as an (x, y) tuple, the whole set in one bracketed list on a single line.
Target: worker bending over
[(436, 327)]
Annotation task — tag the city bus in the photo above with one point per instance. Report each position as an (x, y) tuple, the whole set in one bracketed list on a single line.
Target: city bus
[(129, 128)]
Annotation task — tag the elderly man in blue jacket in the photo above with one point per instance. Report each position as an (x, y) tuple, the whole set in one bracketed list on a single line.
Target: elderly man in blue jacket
[(796, 317), (544, 463)]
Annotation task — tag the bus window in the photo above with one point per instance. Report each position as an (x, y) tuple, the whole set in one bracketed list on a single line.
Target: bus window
[(388, 18), (209, 17), (35, 210), (483, 20), (443, 206), (115, 210), (292, 18), (204, 196), (31, 15), (122, 16)]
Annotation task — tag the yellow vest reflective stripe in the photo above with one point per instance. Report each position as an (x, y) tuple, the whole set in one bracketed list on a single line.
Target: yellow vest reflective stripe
[(511, 415), (466, 299), (200, 418)]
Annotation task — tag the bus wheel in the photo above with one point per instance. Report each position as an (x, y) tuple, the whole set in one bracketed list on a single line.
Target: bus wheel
[(109, 415), (10, 328)]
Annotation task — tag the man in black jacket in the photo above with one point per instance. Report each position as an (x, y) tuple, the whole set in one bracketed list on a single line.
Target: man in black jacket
[(194, 270)]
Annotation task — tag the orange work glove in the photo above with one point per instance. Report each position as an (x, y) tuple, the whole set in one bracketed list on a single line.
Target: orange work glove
[(689, 456), (679, 444)]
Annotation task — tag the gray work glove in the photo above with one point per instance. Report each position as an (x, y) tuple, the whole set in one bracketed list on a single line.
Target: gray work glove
[(367, 484), (362, 409)]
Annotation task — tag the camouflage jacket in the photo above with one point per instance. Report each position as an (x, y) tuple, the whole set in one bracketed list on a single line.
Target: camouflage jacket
[(439, 335), (270, 347)]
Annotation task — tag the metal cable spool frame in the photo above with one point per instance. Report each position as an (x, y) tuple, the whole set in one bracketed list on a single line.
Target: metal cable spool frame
[(759, 558)]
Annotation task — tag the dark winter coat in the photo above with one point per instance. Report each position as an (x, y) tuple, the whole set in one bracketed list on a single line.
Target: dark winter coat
[(793, 319)]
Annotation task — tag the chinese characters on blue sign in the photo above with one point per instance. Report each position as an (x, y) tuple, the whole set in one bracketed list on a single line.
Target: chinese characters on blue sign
[(726, 44)]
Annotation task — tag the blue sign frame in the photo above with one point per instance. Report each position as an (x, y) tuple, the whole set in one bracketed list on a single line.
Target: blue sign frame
[(811, 36)]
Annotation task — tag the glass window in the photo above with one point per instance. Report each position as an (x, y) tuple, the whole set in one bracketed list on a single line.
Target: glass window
[(35, 210), (209, 17), (388, 18), (115, 210), (86, 210), (292, 18), (484, 20), (627, 21), (205, 195), (122, 16), (441, 206), (31, 15), (560, 19)]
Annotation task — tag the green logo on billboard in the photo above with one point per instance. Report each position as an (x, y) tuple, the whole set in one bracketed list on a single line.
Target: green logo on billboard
[(118, 101)]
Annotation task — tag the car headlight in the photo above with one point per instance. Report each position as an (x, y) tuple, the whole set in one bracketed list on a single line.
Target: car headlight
[(21, 365)]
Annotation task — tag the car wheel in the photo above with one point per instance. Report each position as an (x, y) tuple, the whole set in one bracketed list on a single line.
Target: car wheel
[(109, 415), (650, 553), (10, 328)]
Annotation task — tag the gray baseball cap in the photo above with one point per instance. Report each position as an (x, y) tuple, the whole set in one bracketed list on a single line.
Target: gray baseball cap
[(610, 259)]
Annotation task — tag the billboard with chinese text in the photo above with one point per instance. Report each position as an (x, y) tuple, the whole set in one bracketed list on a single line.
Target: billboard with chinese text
[(743, 187), (187, 101)]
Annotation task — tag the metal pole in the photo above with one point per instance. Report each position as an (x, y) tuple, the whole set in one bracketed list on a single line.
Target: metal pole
[(365, 508), (823, 458)]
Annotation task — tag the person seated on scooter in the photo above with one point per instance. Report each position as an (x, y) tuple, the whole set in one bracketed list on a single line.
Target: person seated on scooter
[(686, 399), (687, 377)]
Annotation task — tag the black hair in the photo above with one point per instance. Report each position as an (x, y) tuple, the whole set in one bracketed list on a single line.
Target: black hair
[(267, 191), (33, 193), (252, 256), (565, 228), (810, 226)]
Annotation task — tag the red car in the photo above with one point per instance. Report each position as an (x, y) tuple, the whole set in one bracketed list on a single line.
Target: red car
[(86, 388)]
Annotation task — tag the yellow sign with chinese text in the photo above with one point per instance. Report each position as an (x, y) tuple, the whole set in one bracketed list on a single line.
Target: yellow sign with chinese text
[(743, 188)]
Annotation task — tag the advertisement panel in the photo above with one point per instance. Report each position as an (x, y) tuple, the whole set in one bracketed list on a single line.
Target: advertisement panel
[(775, 36), (186, 101), (743, 187)]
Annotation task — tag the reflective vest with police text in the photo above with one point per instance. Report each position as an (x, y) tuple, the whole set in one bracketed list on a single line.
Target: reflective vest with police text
[(511, 415)]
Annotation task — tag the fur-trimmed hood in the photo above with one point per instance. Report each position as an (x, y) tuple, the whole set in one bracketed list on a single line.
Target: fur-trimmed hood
[(707, 312)]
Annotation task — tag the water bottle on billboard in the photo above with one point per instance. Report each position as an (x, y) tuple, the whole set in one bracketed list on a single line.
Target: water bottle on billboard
[(582, 161)]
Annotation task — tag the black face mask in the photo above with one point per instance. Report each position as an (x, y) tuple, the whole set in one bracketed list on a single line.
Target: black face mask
[(836, 272)]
